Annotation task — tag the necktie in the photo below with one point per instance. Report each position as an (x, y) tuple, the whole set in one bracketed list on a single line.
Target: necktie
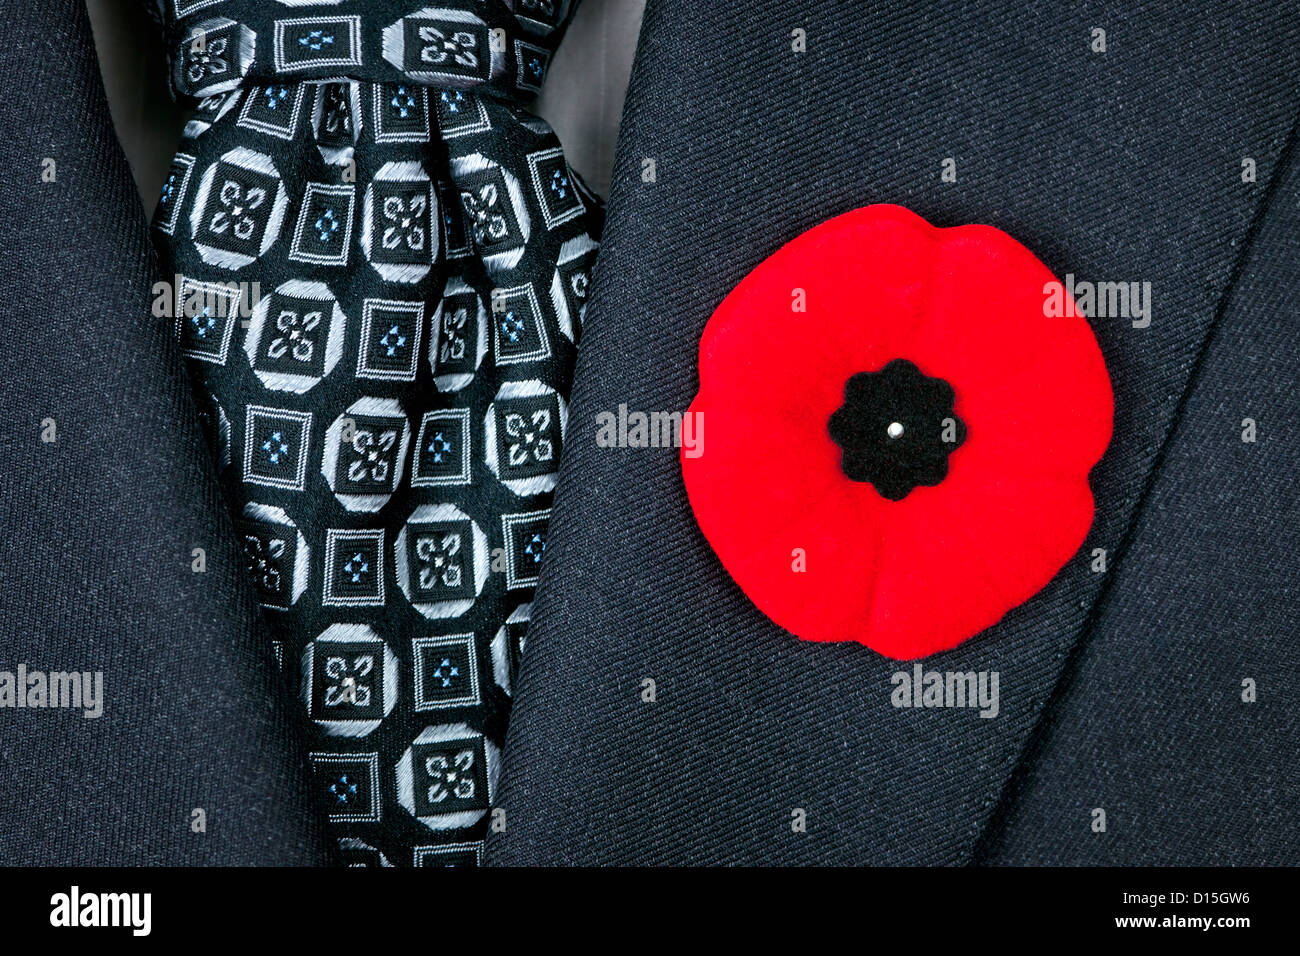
[(380, 266)]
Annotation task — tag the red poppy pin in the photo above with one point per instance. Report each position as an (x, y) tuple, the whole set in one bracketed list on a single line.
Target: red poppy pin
[(899, 434)]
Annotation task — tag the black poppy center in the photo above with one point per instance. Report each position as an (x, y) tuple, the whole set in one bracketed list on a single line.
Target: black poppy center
[(896, 428)]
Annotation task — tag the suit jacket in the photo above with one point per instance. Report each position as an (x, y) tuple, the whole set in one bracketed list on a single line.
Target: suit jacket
[(106, 492), (1120, 690)]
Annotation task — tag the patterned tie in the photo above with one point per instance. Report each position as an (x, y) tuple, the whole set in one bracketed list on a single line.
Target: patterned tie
[(381, 264)]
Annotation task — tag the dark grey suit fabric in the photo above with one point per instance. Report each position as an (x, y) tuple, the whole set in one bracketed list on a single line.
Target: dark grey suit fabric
[(1154, 724), (100, 524), (1119, 690)]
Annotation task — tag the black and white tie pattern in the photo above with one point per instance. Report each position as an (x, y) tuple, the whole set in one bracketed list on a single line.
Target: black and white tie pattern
[(381, 264)]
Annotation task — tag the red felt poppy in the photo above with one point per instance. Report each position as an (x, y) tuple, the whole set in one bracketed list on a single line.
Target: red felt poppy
[(899, 434)]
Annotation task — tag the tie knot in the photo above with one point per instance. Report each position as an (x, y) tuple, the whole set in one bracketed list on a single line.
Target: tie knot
[(504, 46)]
